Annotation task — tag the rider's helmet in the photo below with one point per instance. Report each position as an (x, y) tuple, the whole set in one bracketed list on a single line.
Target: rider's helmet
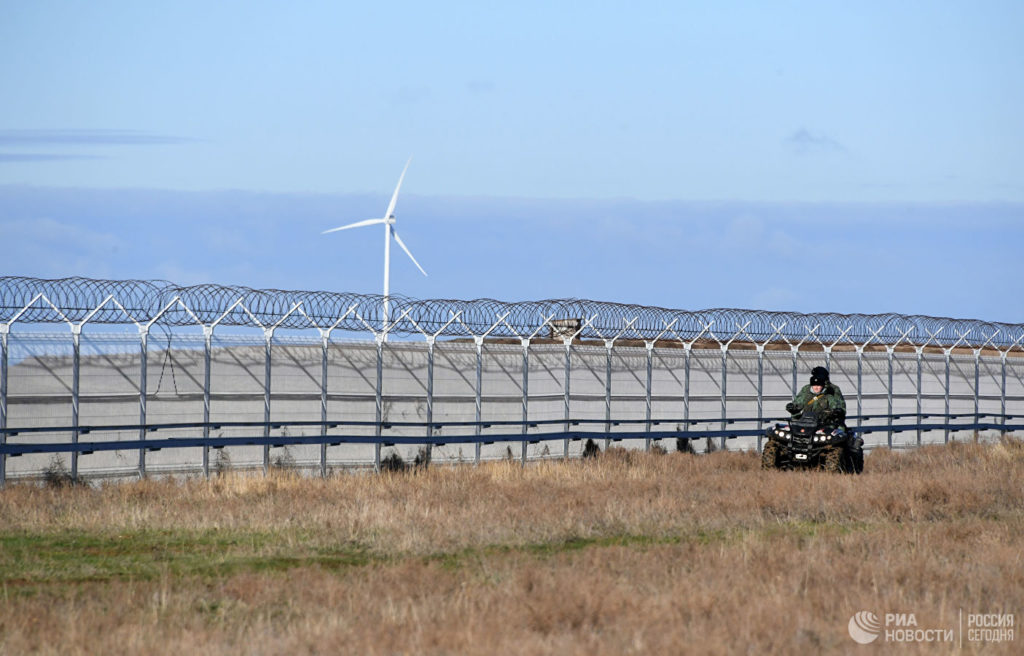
[(819, 376)]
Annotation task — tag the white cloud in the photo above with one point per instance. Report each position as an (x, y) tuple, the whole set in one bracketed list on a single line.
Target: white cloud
[(804, 142), (49, 248)]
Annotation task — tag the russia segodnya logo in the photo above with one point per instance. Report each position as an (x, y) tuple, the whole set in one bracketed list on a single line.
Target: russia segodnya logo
[(864, 627)]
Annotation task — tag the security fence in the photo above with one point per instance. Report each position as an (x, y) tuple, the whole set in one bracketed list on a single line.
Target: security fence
[(148, 376)]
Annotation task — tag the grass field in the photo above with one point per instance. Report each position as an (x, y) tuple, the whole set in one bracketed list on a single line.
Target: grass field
[(625, 553)]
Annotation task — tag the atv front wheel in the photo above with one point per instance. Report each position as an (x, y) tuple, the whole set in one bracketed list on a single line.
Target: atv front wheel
[(831, 461), (770, 455), (853, 462)]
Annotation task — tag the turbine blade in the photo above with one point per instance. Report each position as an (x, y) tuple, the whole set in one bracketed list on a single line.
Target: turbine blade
[(407, 252), (358, 224), (394, 196)]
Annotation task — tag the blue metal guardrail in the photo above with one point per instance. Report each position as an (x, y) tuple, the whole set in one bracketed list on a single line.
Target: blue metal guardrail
[(14, 449)]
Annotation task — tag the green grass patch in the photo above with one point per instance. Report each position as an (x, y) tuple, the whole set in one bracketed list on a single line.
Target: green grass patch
[(28, 559)]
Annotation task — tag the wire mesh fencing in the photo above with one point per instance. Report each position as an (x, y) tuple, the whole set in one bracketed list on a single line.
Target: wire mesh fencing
[(147, 376)]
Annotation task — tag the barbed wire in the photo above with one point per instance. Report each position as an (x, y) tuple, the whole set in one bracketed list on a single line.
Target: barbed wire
[(75, 300)]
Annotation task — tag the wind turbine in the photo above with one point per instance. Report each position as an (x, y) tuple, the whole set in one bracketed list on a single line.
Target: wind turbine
[(389, 231)]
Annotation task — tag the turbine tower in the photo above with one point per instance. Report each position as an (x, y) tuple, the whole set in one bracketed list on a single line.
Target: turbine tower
[(389, 231)]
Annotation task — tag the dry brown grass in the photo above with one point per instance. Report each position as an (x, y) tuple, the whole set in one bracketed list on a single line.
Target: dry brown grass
[(625, 553)]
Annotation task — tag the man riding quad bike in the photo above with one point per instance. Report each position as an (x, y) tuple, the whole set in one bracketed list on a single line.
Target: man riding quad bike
[(816, 435)]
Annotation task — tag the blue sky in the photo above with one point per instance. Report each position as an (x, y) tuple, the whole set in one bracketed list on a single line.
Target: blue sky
[(852, 157)]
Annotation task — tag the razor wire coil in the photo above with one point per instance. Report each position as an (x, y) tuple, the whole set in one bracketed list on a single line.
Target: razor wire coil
[(159, 302)]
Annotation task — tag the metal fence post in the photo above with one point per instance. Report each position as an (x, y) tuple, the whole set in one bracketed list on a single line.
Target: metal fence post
[(725, 362), (890, 351), (568, 380), (725, 369), (860, 367), (1003, 390), (647, 394), (760, 393), (324, 339), (920, 350), (379, 399), (946, 438), (430, 397), (860, 386), (4, 331), (795, 350), (76, 340), (143, 366), (478, 396), (609, 345), (268, 334), (526, 394), (977, 384), (608, 393), (686, 385), (207, 357)]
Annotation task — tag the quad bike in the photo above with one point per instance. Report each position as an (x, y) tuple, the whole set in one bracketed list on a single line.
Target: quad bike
[(813, 441)]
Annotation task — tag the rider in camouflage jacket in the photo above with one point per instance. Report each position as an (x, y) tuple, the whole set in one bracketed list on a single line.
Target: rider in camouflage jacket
[(822, 396)]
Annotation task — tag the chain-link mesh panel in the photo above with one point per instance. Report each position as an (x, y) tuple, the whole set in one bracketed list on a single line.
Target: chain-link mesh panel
[(175, 374), (237, 393), (778, 382), (629, 387), (961, 384), (351, 396), (1015, 386), (706, 386), (904, 384), (904, 391), (546, 394), (741, 383), (39, 380), (933, 384), (990, 385), (296, 372), (109, 379), (741, 394), (875, 384), (668, 387), (454, 389), (501, 396), (843, 373)]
